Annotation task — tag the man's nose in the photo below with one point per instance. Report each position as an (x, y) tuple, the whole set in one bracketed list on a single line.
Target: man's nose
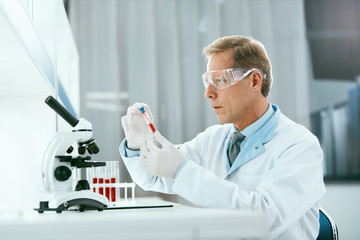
[(210, 92)]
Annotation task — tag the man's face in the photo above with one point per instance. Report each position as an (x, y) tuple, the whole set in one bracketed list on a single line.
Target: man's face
[(232, 104)]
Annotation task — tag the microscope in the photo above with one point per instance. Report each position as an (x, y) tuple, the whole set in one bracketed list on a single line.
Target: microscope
[(68, 151)]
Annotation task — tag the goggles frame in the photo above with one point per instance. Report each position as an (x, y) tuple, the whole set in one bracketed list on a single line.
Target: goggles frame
[(230, 77)]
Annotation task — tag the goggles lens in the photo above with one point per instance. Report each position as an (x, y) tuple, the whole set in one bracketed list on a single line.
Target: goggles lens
[(226, 77)]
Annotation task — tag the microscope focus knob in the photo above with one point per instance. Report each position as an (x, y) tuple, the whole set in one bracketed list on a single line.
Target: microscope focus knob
[(62, 173)]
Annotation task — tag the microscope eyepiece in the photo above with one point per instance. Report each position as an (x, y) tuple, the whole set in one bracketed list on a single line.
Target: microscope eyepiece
[(61, 110)]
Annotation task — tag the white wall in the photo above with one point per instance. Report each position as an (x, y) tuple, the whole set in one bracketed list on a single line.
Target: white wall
[(33, 65), (341, 201)]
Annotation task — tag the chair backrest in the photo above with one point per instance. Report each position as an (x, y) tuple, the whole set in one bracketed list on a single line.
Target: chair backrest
[(328, 229)]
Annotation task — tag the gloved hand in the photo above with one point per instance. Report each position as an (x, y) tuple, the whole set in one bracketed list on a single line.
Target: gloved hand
[(164, 160), (135, 127)]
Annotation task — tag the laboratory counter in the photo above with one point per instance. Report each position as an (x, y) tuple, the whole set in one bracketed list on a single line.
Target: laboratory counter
[(176, 222)]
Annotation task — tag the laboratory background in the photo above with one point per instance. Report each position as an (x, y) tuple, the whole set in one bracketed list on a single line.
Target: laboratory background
[(97, 57)]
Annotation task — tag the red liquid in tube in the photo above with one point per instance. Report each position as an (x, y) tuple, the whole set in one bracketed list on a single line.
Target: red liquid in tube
[(113, 190), (101, 189), (147, 119), (95, 181), (107, 189)]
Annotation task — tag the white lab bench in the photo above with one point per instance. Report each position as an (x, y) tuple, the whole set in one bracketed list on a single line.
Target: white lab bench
[(177, 222)]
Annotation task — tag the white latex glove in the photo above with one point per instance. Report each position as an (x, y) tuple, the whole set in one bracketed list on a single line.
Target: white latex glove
[(135, 127), (164, 160)]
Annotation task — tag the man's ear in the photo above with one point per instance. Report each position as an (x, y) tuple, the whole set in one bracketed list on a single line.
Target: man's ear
[(256, 80)]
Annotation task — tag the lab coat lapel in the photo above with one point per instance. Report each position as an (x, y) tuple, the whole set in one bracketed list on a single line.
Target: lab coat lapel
[(255, 145)]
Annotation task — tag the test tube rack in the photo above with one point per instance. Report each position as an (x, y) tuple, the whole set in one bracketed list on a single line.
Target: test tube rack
[(106, 181)]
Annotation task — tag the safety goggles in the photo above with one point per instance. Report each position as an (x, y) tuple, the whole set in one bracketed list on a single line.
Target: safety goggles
[(226, 77)]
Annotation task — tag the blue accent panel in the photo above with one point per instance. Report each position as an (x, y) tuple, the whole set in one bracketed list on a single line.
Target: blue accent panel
[(64, 98)]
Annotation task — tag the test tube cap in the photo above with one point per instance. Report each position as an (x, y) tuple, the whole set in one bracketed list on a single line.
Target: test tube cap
[(142, 109)]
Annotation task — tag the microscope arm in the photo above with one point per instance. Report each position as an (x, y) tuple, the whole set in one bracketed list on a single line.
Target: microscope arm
[(57, 147), (82, 132)]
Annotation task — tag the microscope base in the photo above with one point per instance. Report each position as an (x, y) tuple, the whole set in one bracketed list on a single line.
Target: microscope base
[(74, 201), (82, 204)]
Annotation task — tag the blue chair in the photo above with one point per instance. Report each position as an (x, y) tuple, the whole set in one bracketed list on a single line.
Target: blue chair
[(328, 229)]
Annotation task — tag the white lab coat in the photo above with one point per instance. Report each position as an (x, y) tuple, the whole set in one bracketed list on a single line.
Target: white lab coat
[(283, 177)]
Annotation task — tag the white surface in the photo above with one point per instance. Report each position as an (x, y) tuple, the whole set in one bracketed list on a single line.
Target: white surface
[(178, 222), (27, 124)]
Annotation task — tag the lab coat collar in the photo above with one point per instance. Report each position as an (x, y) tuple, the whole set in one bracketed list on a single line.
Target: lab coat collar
[(255, 144)]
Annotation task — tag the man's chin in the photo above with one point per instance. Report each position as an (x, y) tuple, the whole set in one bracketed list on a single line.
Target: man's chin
[(222, 120)]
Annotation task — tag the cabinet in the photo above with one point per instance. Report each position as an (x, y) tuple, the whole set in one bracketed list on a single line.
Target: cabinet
[(38, 58)]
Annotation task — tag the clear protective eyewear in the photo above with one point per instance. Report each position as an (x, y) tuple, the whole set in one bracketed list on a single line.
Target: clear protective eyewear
[(225, 78)]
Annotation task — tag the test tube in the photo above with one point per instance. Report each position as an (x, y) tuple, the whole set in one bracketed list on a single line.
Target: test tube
[(117, 177), (113, 180), (107, 189), (147, 119), (101, 180), (133, 192), (125, 191), (94, 179)]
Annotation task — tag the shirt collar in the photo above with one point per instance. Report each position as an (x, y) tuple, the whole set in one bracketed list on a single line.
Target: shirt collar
[(252, 128)]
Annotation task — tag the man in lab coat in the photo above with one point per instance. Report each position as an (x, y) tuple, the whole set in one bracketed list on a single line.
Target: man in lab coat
[(275, 167)]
